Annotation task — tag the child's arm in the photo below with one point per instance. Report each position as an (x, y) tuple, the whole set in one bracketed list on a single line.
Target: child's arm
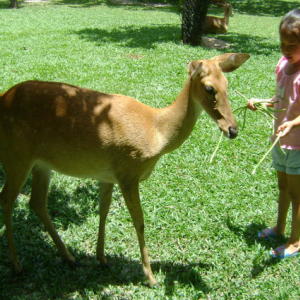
[(287, 126), (251, 103)]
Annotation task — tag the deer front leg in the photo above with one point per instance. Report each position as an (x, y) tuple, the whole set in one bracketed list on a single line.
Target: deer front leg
[(38, 202), (130, 192), (106, 190)]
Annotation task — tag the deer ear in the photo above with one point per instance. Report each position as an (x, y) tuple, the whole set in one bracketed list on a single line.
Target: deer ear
[(195, 68), (231, 61)]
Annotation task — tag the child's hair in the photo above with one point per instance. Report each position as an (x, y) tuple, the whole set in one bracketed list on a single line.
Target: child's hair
[(292, 21)]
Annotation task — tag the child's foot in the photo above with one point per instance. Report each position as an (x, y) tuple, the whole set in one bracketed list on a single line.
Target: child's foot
[(268, 233), (284, 251)]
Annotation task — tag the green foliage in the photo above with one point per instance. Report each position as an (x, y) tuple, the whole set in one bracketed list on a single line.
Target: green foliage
[(201, 218)]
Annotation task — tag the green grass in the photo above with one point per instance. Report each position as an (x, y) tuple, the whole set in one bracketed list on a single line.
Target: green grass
[(201, 219)]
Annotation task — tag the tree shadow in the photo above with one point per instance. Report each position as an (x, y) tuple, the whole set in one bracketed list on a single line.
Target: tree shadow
[(263, 8), (81, 3), (5, 5), (149, 36), (133, 36), (248, 43), (250, 7), (123, 4)]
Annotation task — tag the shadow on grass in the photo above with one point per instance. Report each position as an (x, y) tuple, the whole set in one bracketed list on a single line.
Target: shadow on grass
[(172, 6), (132, 36), (59, 204), (4, 5), (48, 277), (254, 7), (263, 8), (249, 44), (81, 3), (250, 235), (260, 265), (149, 36)]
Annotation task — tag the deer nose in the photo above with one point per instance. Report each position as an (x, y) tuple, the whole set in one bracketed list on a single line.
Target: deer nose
[(232, 132)]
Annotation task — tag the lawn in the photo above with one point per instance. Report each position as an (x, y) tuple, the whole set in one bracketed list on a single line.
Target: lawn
[(201, 218)]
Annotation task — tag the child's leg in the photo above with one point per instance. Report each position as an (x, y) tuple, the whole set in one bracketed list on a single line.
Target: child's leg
[(293, 244), (294, 194), (283, 205)]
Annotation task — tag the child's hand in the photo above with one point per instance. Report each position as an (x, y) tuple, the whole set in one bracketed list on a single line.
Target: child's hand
[(285, 128), (251, 104)]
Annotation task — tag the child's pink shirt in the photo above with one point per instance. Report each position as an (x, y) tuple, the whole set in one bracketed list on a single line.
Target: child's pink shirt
[(288, 97)]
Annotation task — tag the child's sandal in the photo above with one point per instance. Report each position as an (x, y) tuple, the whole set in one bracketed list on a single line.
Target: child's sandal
[(281, 253), (267, 234)]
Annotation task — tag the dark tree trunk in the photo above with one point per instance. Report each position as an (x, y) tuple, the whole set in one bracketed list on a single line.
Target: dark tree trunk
[(13, 4), (193, 17)]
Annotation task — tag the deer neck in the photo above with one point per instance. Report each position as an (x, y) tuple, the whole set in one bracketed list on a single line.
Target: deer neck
[(177, 121)]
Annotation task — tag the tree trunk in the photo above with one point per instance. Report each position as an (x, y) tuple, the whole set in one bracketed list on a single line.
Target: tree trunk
[(13, 4), (193, 17)]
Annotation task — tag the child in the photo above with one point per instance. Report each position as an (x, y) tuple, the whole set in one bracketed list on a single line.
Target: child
[(287, 123)]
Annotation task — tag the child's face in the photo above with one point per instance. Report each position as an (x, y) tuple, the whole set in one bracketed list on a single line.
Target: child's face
[(290, 45)]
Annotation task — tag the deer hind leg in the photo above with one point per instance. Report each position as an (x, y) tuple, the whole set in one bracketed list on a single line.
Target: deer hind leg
[(106, 190), (15, 179), (130, 192), (38, 202)]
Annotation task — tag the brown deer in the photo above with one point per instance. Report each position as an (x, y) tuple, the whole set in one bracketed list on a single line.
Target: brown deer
[(217, 25), (115, 139)]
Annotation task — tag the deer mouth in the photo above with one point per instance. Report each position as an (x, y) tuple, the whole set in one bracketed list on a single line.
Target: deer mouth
[(230, 131)]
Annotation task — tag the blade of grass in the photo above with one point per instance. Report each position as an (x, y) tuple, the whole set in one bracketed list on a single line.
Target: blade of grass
[(266, 154), (220, 139)]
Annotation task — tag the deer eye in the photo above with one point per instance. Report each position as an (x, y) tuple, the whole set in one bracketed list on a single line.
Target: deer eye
[(209, 89)]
